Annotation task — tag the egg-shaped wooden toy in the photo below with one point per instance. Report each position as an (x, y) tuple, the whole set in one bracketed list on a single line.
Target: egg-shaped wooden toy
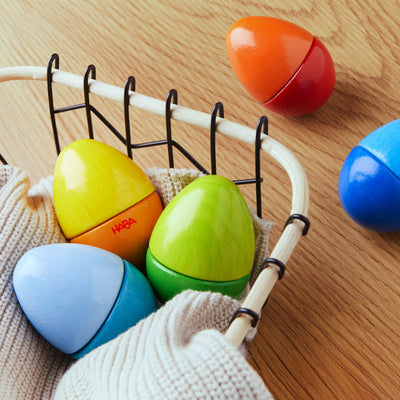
[(203, 240), (102, 198), (281, 65), (369, 185), (79, 297)]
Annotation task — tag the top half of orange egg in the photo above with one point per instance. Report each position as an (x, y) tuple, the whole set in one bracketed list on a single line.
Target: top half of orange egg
[(265, 53)]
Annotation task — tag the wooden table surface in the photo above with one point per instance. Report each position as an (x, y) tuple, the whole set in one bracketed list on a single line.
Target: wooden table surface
[(331, 327)]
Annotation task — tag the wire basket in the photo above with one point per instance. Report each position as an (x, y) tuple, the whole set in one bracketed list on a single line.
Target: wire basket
[(297, 223)]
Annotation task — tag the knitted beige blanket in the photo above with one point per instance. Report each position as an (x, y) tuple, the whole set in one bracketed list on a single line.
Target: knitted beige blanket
[(178, 352)]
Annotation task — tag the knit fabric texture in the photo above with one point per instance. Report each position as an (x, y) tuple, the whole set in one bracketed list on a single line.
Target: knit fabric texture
[(177, 352)]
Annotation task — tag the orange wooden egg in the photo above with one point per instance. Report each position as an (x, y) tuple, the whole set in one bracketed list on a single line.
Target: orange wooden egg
[(281, 65)]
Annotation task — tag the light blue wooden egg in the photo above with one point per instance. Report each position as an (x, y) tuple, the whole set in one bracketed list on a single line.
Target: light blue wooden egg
[(79, 297), (369, 182)]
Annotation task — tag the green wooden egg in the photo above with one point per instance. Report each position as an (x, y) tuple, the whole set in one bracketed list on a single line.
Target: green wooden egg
[(203, 240)]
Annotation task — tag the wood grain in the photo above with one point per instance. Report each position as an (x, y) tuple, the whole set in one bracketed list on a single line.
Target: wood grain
[(330, 328)]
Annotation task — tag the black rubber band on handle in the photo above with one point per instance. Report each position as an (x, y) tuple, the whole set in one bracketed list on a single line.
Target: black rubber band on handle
[(301, 218), (279, 263), (248, 311)]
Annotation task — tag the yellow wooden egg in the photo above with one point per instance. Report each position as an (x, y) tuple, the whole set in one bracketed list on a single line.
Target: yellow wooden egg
[(103, 198)]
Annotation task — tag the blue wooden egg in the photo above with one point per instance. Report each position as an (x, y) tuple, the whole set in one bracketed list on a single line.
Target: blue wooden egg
[(369, 185), (79, 297)]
